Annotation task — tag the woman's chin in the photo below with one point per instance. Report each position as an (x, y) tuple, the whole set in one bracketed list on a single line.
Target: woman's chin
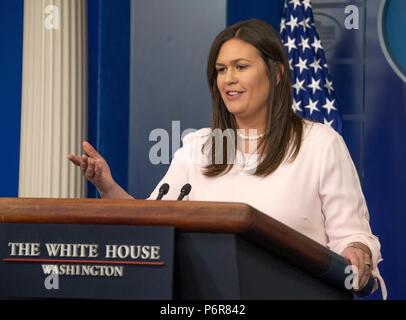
[(235, 110)]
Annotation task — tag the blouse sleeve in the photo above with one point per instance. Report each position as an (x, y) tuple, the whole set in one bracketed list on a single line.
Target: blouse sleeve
[(344, 206)]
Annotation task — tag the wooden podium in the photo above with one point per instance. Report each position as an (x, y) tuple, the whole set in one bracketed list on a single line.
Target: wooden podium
[(222, 250)]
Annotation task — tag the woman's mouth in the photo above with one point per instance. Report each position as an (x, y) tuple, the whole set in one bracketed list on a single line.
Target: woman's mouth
[(233, 95)]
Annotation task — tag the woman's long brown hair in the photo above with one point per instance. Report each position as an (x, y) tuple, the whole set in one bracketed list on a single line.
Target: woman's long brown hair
[(284, 129)]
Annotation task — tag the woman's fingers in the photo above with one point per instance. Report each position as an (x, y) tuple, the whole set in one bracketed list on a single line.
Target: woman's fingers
[(74, 159), (361, 269), (90, 169), (93, 166), (354, 262), (361, 261), (90, 151), (366, 262), (84, 163), (98, 170)]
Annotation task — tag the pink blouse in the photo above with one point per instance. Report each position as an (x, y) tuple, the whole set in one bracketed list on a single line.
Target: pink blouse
[(318, 194)]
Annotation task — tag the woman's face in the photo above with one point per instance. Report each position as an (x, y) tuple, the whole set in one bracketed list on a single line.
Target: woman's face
[(242, 80)]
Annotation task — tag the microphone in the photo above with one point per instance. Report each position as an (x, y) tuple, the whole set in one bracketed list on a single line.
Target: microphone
[(163, 190), (184, 191)]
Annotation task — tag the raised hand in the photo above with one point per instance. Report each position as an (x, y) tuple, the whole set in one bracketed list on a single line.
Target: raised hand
[(94, 168)]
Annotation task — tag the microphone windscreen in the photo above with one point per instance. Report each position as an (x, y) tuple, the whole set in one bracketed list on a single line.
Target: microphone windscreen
[(186, 189), (164, 189)]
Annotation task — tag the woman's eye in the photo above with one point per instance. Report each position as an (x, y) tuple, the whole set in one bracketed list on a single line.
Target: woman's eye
[(241, 67), (220, 70)]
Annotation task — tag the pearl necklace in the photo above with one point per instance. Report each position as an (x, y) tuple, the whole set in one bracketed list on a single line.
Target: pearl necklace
[(254, 137)]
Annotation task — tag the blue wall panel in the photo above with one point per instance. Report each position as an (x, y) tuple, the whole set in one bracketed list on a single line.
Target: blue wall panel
[(270, 11), (11, 46), (109, 78), (385, 146), (170, 44)]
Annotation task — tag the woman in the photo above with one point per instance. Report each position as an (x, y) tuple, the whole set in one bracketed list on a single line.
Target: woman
[(297, 171)]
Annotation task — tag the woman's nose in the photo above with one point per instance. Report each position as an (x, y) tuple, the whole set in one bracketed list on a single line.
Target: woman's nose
[(230, 77)]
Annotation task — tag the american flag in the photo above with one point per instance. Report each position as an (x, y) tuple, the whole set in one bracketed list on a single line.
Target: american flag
[(313, 92)]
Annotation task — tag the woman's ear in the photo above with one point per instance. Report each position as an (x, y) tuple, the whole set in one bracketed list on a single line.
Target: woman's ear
[(281, 70)]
